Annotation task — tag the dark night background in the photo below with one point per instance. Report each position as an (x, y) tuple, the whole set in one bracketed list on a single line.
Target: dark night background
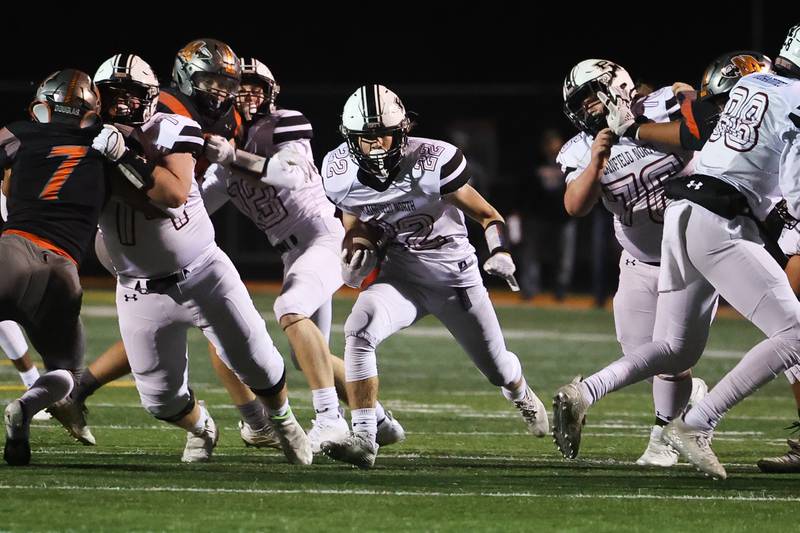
[(496, 72)]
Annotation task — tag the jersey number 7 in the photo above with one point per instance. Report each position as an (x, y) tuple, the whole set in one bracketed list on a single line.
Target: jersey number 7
[(72, 157)]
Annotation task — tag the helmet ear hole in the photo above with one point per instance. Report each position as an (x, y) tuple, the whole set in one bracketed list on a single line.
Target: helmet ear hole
[(90, 119), (40, 112)]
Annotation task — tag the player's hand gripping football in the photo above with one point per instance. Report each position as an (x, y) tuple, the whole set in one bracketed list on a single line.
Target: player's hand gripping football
[(110, 143), (358, 266), (502, 265)]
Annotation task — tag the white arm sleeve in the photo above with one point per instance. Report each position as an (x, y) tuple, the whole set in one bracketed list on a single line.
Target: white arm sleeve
[(213, 189), (789, 172), (291, 166)]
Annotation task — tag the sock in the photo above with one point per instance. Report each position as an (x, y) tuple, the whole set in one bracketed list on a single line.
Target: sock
[(29, 377), (645, 361), (671, 397), (326, 403), (87, 385), (364, 421), (760, 365), (280, 412), (48, 389), (516, 394), (200, 425), (253, 414), (380, 413)]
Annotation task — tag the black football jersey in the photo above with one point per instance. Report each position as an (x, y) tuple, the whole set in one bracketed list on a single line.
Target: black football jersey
[(58, 183)]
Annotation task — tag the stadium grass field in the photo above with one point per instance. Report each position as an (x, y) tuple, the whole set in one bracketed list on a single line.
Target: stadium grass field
[(466, 465)]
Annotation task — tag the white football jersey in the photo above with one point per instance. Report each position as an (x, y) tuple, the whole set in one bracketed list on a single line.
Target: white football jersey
[(755, 145), (427, 236), (278, 212), (633, 180), (142, 247)]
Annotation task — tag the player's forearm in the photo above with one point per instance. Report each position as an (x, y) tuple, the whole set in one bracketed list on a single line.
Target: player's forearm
[(665, 133), (583, 192)]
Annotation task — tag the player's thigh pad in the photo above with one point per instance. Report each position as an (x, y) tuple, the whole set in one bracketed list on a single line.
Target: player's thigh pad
[(229, 319), (635, 302), (153, 328), (469, 315), (309, 280)]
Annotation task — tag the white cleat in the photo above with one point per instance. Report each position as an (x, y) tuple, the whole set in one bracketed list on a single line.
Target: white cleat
[(390, 431), (658, 452), (569, 417), (42, 416), (699, 391), (327, 429), (294, 441), (534, 413), (72, 416), (259, 438), (357, 449), (695, 446), (200, 447)]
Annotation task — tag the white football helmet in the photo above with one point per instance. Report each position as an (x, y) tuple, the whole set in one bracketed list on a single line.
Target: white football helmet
[(584, 81), (789, 57), (374, 111), (252, 104), (128, 89)]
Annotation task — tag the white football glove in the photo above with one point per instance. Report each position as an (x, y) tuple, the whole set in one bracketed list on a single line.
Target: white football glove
[(502, 266), (359, 267), (286, 169), (218, 150), (110, 143), (620, 117)]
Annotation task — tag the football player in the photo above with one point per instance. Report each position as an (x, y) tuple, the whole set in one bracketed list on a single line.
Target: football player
[(699, 117), (170, 273), (712, 242), (628, 179), (56, 189), (205, 80), (273, 181), (416, 191)]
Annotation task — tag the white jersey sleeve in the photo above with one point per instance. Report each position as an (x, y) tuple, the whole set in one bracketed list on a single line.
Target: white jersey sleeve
[(166, 134), (214, 190)]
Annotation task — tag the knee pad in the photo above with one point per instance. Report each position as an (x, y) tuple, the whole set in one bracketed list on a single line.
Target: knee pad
[(173, 410), (507, 370), (362, 324), (273, 390), (359, 359)]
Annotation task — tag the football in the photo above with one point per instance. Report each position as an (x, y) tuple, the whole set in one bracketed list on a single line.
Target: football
[(363, 236)]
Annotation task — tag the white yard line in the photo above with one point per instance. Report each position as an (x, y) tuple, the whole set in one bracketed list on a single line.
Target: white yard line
[(109, 311), (423, 494)]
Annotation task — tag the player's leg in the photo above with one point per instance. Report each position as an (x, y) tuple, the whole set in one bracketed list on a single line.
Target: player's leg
[(469, 315), (732, 258), (683, 317), (49, 309), (311, 277), (790, 461), (254, 427), (13, 344), (153, 328), (385, 307), (227, 316)]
